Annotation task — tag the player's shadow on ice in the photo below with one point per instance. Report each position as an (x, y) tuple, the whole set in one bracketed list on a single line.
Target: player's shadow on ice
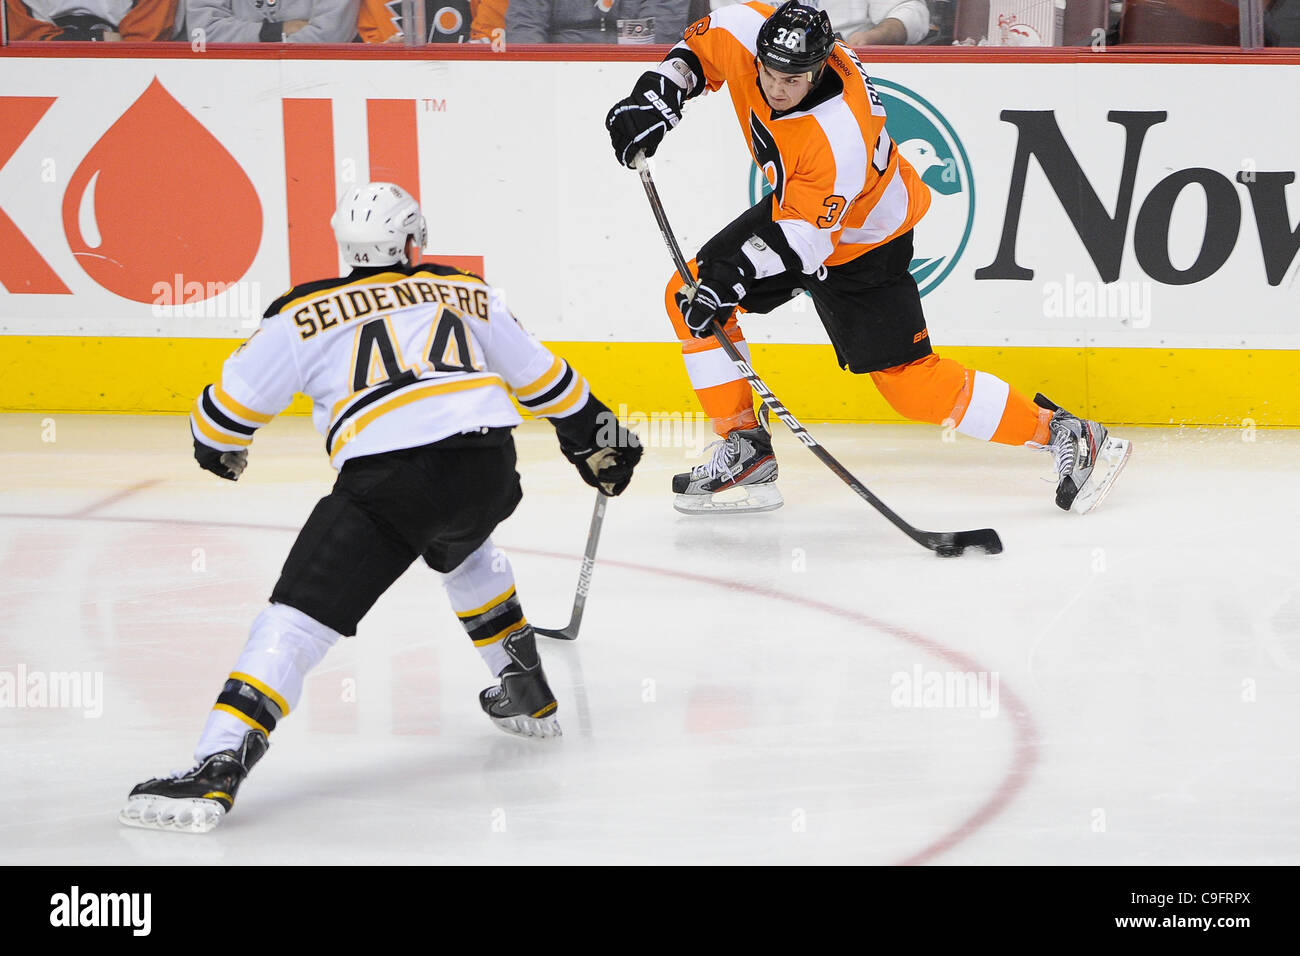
[(753, 537), (489, 766)]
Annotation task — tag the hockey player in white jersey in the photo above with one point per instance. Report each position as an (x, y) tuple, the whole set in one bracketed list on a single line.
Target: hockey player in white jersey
[(410, 369)]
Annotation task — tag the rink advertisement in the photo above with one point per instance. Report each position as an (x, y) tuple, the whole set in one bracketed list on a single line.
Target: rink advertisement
[(1091, 227)]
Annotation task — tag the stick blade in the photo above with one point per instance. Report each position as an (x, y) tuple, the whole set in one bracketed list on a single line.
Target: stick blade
[(955, 543), (559, 634)]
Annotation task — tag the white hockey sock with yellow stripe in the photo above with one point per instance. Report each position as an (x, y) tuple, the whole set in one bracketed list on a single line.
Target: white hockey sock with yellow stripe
[(266, 684), (482, 593)]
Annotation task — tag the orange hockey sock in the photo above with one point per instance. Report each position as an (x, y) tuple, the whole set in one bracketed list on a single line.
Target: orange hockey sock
[(940, 390), (723, 392)]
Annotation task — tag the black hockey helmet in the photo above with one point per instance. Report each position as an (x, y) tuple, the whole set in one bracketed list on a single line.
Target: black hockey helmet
[(795, 39)]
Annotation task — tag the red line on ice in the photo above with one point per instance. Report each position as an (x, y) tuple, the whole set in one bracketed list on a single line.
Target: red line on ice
[(1026, 746), (112, 499)]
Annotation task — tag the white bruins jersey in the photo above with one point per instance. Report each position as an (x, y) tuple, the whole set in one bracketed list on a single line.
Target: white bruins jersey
[(391, 358)]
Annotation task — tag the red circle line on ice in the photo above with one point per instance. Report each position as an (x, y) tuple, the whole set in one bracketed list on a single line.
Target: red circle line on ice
[(1015, 778), (1026, 734)]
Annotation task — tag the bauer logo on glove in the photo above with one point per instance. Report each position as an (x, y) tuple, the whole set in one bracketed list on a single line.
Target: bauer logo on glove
[(717, 295), (637, 124)]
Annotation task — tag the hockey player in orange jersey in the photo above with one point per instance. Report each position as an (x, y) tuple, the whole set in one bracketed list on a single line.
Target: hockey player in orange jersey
[(838, 224), (410, 367)]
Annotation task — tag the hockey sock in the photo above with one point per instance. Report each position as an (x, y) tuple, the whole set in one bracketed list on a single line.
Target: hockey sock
[(723, 392), (266, 684), (482, 593), (941, 391)]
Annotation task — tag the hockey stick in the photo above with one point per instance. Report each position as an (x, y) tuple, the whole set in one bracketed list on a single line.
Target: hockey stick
[(570, 631), (946, 543)]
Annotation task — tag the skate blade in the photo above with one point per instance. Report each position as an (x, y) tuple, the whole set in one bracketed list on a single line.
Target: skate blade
[(537, 727), (189, 815), (745, 499), (1114, 456)]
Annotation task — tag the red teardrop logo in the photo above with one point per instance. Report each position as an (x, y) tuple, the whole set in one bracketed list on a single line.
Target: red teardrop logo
[(158, 197)]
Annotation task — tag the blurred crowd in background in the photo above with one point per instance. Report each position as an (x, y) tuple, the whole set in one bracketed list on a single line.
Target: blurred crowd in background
[(861, 23)]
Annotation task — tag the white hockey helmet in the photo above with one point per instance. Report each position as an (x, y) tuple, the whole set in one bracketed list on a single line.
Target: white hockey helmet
[(373, 222)]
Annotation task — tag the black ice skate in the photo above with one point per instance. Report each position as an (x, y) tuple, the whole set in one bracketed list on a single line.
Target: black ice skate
[(1088, 459), (196, 800), (739, 477), (522, 704)]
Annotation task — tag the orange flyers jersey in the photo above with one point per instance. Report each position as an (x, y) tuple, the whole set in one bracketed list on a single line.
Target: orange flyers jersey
[(840, 185), (380, 21)]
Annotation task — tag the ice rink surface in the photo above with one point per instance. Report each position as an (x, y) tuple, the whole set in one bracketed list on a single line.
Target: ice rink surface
[(805, 686)]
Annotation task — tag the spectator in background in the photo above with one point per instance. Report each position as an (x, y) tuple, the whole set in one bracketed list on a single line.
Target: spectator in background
[(446, 21), (273, 21), (489, 21), (878, 22), (859, 22), (91, 19), (1282, 23), (594, 21)]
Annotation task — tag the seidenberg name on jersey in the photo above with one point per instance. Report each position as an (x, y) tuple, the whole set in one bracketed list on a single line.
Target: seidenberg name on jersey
[(326, 312)]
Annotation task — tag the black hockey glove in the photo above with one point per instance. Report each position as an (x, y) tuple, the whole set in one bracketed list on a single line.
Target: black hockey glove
[(638, 124), (720, 290), (606, 459), (224, 464), (609, 469)]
